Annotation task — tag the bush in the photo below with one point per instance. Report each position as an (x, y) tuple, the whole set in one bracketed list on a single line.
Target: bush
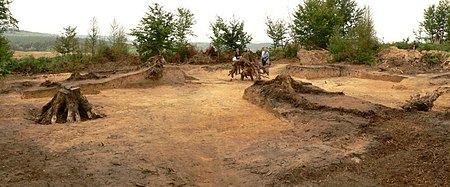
[(275, 54), (405, 44), (358, 46), (291, 49), (438, 47), (433, 58)]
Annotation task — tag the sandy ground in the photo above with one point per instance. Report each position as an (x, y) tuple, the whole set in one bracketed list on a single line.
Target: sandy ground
[(202, 133), (35, 54)]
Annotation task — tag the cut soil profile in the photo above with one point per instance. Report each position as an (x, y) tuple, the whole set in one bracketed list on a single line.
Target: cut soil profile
[(210, 131)]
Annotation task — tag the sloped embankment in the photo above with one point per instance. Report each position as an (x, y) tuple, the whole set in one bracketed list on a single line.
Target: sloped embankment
[(372, 144), (143, 78)]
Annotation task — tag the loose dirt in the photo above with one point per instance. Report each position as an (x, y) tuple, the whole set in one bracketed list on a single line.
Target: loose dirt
[(203, 133)]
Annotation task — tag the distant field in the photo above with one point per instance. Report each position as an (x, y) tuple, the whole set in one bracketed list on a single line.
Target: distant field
[(36, 54)]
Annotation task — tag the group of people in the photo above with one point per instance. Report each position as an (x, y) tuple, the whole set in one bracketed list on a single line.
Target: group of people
[(264, 56)]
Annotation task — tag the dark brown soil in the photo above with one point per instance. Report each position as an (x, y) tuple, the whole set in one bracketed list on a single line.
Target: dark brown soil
[(408, 148)]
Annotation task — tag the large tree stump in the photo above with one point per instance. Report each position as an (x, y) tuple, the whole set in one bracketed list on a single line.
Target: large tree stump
[(68, 105)]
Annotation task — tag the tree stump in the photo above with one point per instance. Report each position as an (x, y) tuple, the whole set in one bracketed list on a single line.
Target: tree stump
[(68, 105), (422, 103)]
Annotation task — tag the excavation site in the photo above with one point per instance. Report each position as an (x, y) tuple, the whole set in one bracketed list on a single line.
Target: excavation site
[(159, 124)]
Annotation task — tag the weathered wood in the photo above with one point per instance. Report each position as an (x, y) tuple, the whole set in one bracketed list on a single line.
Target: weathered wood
[(422, 103), (247, 67), (67, 106)]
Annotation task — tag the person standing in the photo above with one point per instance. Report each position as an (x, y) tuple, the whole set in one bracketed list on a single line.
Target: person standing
[(237, 55), (265, 56)]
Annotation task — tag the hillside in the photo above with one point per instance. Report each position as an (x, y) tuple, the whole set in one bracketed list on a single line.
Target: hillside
[(30, 41), (35, 41)]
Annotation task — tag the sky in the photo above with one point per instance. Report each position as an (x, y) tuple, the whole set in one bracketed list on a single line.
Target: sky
[(394, 19)]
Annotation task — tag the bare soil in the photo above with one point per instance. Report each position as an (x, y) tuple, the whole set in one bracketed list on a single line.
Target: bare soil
[(204, 133), (35, 54)]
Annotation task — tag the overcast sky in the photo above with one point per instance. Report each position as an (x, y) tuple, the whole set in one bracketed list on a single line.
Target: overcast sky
[(394, 19)]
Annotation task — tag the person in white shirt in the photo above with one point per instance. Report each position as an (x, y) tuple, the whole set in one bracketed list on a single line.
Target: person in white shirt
[(265, 56)]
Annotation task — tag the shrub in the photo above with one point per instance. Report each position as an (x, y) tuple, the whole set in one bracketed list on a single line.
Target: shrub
[(429, 46), (291, 49), (433, 58), (358, 46)]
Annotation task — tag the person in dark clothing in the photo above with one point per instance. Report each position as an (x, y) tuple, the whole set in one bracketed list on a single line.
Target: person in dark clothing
[(237, 55)]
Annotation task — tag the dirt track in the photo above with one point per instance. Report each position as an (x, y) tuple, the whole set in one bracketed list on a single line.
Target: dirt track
[(201, 133)]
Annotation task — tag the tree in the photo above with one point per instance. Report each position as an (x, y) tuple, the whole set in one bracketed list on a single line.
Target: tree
[(184, 20), (154, 34), (277, 30), (5, 51), (359, 45), (436, 23), (316, 20), (118, 38), (93, 39), (7, 22), (183, 26), (67, 42), (217, 40), (229, 36)]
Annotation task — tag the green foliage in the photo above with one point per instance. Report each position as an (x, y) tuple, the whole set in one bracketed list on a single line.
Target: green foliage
[(93, 38), (436, 23), (433, 58), (217, 40), (31, 65), (183, 28), (7, 21), (358, 46), (30, 43), (405, 44), (428, 47), (154, 35), (229, 36), (315, 21), (67, 43), (118, 40), (277, 30), (291, 49), (5, 51)]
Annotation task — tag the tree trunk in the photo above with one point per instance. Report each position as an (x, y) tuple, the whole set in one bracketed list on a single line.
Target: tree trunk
[(68, 105)]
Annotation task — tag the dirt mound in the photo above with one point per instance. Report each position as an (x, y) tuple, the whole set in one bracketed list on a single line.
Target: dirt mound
[(405, 61), (146, 77), (313, 56), (201, 58), (285, 95), (15, 87), (362, 141), (49, 83), (317, 72), (77, 76)]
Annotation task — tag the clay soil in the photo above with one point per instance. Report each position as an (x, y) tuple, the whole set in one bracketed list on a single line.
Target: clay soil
[(204, 133)]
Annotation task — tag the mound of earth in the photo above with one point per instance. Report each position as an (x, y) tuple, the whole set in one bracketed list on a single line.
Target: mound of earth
[(76, 76), (201, 58), (313, 56), (366, 144), (327, 71), (155, 74), (405, 61)]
